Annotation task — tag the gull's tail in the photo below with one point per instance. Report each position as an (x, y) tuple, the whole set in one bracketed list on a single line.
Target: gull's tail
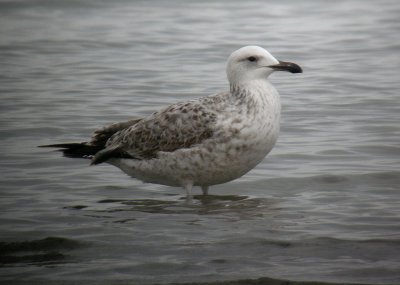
[(96, 148), (76, 150)]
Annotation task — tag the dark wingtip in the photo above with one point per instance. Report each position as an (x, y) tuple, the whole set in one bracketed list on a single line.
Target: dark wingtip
[(95, 161), (97, 154), (75, 150), (105, 154), (61, 145)]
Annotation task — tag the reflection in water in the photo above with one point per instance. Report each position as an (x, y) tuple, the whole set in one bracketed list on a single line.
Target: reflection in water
[(201, 205)]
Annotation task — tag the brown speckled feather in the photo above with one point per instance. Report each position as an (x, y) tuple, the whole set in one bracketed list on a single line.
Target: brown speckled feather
[(181, 125), (101, 136)]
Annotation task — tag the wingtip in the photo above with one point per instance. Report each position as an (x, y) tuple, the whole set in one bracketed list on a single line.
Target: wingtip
[(93, 162), (47, 145), (75, 150)]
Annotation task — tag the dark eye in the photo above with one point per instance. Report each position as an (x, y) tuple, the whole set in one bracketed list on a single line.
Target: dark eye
[(252, 58)]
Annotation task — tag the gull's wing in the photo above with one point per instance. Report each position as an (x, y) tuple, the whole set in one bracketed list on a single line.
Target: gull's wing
[(101, 136), (181, 125)]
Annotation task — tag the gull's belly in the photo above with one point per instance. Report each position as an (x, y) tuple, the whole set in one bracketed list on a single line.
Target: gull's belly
[(207, 164)]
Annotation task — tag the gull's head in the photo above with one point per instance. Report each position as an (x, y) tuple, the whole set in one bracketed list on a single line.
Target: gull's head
[(253, 63)]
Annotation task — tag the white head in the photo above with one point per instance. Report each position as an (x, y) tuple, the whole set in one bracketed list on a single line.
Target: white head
[(253, 63)]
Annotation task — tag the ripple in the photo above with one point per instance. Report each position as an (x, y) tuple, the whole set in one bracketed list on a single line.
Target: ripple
[(46, 251), (323, 206)]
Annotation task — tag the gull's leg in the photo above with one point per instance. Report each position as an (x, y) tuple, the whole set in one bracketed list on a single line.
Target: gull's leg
[(188, 188), (205, 190)]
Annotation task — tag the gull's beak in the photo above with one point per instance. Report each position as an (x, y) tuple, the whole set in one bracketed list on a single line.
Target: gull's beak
[(287, 66)]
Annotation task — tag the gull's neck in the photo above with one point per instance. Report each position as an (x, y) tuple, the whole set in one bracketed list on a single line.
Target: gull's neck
[(251, 86)]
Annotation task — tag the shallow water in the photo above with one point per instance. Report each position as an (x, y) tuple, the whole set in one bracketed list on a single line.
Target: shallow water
[(323, 206)]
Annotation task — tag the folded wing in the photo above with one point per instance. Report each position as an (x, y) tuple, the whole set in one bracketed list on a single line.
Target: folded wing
[(181, 125)]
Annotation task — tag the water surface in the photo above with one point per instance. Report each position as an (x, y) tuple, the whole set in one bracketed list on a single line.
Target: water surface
[(323, 206)]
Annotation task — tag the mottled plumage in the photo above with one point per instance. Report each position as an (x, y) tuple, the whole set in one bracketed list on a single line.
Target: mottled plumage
[(181, 125), (201, 142)]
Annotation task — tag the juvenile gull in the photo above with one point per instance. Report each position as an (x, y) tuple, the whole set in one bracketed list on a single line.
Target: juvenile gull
[(202, 142)]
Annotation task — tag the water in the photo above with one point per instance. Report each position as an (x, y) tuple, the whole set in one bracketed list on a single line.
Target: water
[(324, 205)]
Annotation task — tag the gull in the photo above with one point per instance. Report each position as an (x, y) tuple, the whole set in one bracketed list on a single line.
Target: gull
[(201, 142)]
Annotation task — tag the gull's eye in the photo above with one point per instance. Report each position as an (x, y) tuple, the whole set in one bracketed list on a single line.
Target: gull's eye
[(252, 58)]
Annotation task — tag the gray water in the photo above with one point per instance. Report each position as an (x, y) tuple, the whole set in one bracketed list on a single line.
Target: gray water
[(323, 206)]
